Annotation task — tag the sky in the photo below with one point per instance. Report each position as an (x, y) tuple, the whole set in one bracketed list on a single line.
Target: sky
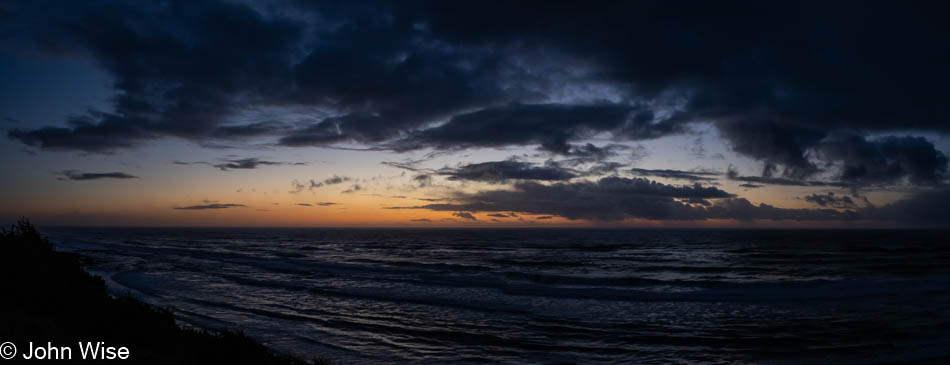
[(474, 114)]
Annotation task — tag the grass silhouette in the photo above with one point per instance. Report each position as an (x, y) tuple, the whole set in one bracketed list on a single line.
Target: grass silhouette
[(48, 297)]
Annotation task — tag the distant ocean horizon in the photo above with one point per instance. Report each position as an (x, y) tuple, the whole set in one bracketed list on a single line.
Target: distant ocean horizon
[(564, 295)]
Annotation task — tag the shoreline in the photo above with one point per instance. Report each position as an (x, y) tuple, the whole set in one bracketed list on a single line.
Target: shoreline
[(57, 304)]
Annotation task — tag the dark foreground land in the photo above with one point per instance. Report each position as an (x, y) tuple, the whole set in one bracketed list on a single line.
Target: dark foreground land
[(48, 297)]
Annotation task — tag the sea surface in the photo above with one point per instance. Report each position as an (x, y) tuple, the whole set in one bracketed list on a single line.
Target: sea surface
[(552, 296)]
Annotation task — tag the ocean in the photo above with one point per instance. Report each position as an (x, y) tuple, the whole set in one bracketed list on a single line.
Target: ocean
[(513, 296)]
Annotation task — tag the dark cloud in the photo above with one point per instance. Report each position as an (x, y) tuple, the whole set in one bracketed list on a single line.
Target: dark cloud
[(314, 184), (591, 160), (335, 179), (788, 82), (758, 181), (249, 130), (244, 164), (781, 82), (410, 166), (326, 204), (465, 215), (430, 199), (421, 220), (588, 152), (774, 143), (544, 217), (861, 161), (600, 168), (352, 189), (239, 163), (924, 209), (388, 75), (831, 200), (422, 180), (551, 126), (99, 132), (742, 209), (501, 171), (76, 175), (297, 186), (497, 172), (211, 206), (610, 198), (190, 163), (179, 69), (305, 204), (886, 160), (678, 174), (614, 198)]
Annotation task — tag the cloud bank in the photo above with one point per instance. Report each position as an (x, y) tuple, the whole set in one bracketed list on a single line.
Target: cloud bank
[(211, 206), (799, 96), (77, 175)]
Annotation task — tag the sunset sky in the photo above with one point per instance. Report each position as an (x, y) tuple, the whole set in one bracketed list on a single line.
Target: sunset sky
[(264, 113)]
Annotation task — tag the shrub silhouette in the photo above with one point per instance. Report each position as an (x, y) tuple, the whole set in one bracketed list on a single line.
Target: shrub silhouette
[(48, 297)]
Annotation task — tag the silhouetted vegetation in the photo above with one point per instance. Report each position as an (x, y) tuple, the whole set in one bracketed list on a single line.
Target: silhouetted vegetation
[(48, 297)]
